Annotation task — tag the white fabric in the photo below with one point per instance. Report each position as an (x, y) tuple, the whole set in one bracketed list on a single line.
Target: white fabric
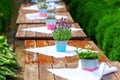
[(54, 5), (60, 16), (38, 29), (33, 16), (51, 51), (79, 74), (35, 7), (45, 30)]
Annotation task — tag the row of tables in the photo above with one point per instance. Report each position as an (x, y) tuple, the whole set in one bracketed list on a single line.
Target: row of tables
[(36, 64)]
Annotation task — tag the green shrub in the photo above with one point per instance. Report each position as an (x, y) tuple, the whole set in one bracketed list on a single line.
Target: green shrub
[(89, 15), (96, 17), (72, 7), (105, 23), (115, 52), (8, 62), (67, 1), (110, 35), (5, 10)]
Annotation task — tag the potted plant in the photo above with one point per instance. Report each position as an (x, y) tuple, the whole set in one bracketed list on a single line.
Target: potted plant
[(88, 58), (62, 34), (41, 0), (50, 21), (42, 8)]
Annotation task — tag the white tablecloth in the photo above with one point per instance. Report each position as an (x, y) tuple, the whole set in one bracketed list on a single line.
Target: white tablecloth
[(79, 74), (51, 51)]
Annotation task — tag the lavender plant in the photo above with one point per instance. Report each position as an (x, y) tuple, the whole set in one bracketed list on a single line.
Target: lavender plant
[(62, 32)]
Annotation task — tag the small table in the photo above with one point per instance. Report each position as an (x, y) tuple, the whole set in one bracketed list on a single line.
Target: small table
[(25, 35), (23, 20), (21, 10), (36, 64)]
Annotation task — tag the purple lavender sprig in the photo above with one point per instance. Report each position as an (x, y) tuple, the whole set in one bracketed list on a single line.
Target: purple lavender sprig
[(64, 23), (62, 31)]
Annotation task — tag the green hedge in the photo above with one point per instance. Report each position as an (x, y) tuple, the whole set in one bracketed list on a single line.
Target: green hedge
[(111, 35), (96, 17), (5, 10), (105, 23), (115, 52), (67, 1)]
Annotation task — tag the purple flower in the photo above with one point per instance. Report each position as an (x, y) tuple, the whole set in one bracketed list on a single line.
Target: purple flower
[(64, 23)]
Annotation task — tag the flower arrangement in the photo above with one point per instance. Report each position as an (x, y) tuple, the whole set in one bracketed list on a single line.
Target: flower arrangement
[(42, 5), (50, 15), (62, 32), (88, 58), (41, 0), (87, 54), (42, 8)]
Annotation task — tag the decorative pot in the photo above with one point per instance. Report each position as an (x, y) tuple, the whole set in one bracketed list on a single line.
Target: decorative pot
[(43, 12), (61, 46), (50, 23), (89, 64)]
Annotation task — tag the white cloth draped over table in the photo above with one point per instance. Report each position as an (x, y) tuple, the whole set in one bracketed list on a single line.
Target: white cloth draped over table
[(79, 74), (51, 51), (35, 7), (45, 30), (33, 16)]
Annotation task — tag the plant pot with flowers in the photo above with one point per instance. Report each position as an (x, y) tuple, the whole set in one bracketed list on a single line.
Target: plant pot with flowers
[(88, 58), (61, 34), (42, 5), (50, 21)]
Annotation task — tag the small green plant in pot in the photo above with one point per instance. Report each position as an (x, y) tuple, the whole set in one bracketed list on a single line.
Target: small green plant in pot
[(38, 1), (62, 34), (50, 21), (42, 8), (88, 58)]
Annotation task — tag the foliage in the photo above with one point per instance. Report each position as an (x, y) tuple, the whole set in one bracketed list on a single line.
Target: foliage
[(111, 34), (92, 12), (87, 54), (72, 7), (50, 15), (5, 14), (62, 31), (96, 17), (114, 54), (41, 0), (8, 62), (105, 23), (42, 5), (67, 1)]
